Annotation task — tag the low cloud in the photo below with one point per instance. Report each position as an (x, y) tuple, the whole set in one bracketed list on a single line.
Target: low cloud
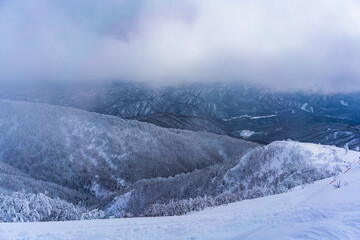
[(285, 45)]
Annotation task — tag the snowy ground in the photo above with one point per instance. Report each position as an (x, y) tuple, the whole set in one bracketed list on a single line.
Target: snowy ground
[(317, 211)]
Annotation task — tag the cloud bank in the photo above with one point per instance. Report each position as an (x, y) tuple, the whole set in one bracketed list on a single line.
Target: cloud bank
[(285, 45)]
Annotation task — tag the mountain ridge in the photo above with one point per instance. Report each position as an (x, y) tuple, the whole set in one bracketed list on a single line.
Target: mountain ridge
[(327, 119)]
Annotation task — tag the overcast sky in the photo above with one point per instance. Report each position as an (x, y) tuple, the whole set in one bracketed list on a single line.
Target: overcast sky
[(287, 45)]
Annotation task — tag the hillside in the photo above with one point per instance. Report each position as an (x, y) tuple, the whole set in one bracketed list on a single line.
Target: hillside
[(128, 168), (223, 108), (96, 156), (316, 211)]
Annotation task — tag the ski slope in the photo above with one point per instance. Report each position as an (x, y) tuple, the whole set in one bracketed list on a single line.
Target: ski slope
[(316, 211)]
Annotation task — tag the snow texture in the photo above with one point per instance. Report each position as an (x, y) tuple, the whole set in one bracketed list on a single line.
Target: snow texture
[(246, 133), (345, 104), (316, 211)]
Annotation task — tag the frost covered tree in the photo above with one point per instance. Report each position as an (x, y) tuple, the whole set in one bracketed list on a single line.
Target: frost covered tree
[(27, 207), (346, 147)]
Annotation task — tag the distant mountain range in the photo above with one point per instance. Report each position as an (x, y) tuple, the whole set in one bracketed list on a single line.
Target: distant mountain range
[(238, 110)]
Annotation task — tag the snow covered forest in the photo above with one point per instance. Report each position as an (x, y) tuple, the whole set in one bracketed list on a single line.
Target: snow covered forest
[(59, 163), (315, 211), (184, 120)]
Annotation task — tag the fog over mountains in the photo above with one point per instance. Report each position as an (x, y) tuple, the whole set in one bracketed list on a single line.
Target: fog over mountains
[(131, 113), (238, 110)]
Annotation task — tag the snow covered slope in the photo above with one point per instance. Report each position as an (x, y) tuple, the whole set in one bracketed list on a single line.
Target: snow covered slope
[(316, 211)]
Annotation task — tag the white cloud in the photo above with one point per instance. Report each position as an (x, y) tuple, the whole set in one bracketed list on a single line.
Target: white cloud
[(282, 44)]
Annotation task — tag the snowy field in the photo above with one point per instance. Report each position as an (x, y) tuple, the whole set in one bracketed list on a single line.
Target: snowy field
[(317, 211)]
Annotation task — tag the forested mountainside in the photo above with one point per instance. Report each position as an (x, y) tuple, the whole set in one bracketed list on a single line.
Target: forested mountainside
[(316, 211), (96, 156), (61, 156), (238, 110)]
